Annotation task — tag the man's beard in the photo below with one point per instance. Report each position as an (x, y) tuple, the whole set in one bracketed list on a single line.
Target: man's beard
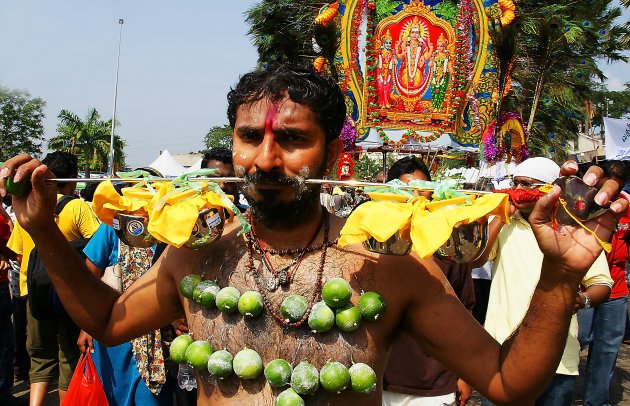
[(271, 212)]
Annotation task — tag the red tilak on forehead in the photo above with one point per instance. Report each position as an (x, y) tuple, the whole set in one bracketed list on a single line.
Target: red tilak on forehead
[(272, 116)]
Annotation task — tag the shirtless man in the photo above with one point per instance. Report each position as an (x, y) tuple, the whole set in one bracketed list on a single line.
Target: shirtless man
[(286, 125)]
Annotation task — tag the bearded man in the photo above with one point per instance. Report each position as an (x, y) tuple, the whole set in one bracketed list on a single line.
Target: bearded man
[(286, 128)]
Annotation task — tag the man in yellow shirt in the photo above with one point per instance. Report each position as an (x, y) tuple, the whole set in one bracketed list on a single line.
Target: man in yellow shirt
[(517, 265), (51, 344)]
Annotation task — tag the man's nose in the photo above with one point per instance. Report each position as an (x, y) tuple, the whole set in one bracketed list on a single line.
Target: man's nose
[(268, 155)]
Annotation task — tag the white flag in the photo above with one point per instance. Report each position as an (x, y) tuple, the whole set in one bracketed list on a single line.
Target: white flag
[(617, 138)]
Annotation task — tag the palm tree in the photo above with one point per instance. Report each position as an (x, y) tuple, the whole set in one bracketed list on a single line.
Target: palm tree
[(89, 139)]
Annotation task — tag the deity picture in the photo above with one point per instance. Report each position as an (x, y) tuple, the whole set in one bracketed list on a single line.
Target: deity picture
[(413, 51), (441, 72), (384, 69)]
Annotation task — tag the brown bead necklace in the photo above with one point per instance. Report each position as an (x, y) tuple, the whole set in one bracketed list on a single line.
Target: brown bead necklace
[(318, 284)]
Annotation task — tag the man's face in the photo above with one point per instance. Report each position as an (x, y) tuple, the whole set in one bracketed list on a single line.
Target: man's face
[(416, 175), (223, 170), (276, 145), (526, 183)]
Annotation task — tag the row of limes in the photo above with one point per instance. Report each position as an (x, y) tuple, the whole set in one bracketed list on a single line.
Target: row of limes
[(336, 294), (304, 379)]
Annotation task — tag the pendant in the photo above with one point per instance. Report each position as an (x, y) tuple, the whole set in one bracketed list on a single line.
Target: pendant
[(271, 284), (283, 276)]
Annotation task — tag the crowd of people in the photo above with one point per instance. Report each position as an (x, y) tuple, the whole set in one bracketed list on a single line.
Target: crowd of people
[(511, 324)]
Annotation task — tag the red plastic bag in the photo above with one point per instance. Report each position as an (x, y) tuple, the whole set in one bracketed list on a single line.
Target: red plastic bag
[(85, 387)]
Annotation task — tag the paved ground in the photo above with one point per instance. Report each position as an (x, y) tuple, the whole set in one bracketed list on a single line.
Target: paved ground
[(620, 391)]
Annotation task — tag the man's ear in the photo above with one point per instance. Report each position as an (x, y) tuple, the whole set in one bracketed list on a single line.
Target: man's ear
[(333, 150)]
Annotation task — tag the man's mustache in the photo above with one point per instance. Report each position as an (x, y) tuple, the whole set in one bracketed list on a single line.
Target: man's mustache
[(274, 178)]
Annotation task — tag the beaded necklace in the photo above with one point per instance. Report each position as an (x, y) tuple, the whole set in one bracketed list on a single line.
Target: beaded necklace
[(316, 292), (284, 276)]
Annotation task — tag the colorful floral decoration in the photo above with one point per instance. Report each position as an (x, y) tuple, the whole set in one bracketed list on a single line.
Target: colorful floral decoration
[(510, 140), (320, 64), (327, 13), (348, 135), (508, 11)]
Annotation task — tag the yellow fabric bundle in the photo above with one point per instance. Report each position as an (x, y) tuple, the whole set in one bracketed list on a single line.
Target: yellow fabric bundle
[(430, 229), (173, 213), (107, 202)]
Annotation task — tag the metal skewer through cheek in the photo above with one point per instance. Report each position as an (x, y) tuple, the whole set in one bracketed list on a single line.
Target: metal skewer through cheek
[(233, 179)]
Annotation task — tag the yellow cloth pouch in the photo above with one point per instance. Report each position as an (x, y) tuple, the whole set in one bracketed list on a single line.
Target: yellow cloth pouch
[(107, 202)]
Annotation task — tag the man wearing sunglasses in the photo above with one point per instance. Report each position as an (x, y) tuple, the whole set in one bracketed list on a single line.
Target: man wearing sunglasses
[(516, 272)]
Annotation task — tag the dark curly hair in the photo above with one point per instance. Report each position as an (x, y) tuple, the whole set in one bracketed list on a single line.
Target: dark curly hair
[(407, 165), (303, 85), (62, 164), (220, 154)]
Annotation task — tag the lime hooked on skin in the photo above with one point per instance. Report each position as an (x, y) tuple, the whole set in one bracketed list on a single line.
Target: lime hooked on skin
[(18, 189), (293, 308), (178, 348), (334, 377), (337, 292), (227, 299), (289, 397), (372, 306), (220, 364), (198, 353), (278, 373), (187, 285), (250, 304), (247, 364), (348, 318), (362, 377), (205, 293), (322, 318), (305, 379)]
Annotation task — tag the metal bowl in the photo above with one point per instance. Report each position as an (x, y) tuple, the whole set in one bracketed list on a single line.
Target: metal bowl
[(466, 243), (397, 244), (207, 229), (133, 230)]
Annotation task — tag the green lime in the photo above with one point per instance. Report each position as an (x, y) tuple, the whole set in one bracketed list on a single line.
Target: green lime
[(363, 378), (178, 348), (250, 304), (348, 318), (337, 292), (247, 364), (227, 299), (305, 379), (198, 354), (220, 364), (18, 189), (187, 285), (278, 373), (322, 318), (334, 377), (289, 397), (372, 306), (204, 293), (293, 308)]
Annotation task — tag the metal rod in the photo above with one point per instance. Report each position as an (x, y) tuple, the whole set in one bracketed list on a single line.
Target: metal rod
[(349, 183)]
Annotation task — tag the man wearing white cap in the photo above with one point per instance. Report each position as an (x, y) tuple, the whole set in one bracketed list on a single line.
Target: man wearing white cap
[(516, 272)]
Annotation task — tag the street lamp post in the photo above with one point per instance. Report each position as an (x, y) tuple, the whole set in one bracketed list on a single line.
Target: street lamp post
[(110, 166)]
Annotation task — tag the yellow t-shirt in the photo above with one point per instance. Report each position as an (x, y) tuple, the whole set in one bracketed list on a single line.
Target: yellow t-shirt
[(77, 220), (514, 278)]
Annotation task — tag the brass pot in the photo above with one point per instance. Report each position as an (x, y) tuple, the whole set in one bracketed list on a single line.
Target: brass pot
[(397, 244), (466, 243), (207, 229), (133, 230)]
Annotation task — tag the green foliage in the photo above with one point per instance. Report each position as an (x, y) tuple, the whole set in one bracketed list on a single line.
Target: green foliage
[(385, 8), (21, 127), (447, 10), (89, 139), (218, 136)]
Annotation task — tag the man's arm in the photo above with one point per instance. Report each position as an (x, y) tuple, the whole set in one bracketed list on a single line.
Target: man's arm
[(95, 307), (520, 369)]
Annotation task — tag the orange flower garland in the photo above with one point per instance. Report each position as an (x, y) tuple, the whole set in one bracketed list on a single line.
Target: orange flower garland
[(508, 11)]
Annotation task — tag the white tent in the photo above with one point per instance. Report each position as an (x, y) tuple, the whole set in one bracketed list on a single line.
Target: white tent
[(167, 165)]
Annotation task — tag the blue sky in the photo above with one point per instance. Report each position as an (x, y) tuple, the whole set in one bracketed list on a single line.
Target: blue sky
[(178, 60)]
